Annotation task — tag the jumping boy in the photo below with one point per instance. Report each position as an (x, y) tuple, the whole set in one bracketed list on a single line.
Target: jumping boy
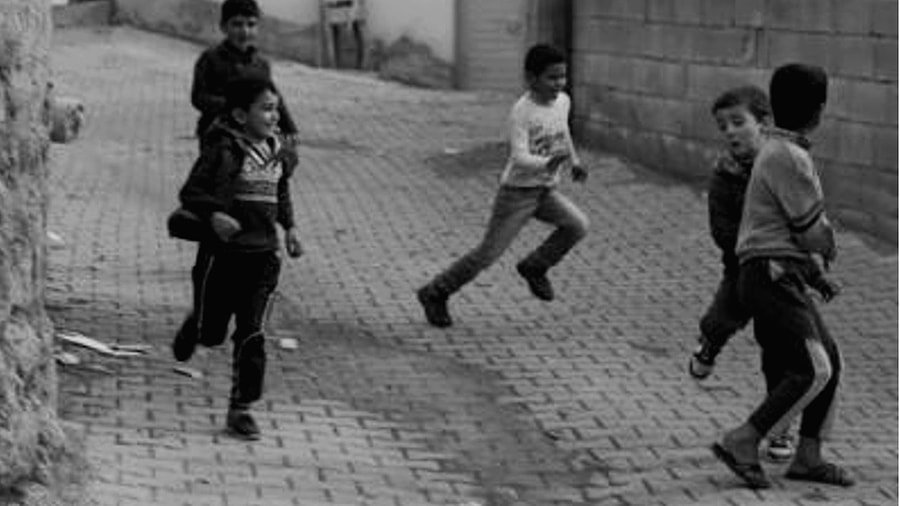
[(783, 235), (741, 114), (540, 147), (239, 185), (233, 58)]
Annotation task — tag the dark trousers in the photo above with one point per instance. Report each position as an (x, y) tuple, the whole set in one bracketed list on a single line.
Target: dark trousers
[(725, 315), (801, 362), (239, 285)]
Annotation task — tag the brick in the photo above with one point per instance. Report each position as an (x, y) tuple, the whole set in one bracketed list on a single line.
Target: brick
[(658, 78), (734, 46), (675, 11), (787, 47), (718, 12), (705, 82), (615, 9), (611, 36), (884, 18), (750, 13), (853, 17), (885, 60), (867, 101), (803, 15)]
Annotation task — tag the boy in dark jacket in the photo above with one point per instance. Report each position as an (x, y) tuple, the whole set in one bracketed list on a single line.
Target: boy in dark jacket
[(233, 58), (239, 186)]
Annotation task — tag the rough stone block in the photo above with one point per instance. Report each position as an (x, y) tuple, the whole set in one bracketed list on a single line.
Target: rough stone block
[(885, 60), (413, 63), (702, 124), (884, 17), (750, 13), (853, 17), (666, 40), (705, 82), (869, 101), (853, 56), (804, 15), (675, 11), (659, 78), (616, 9), (735, 46), (855, 143), (718, 12), (608, 70), (615, 36), (787, 47), (886, 147)]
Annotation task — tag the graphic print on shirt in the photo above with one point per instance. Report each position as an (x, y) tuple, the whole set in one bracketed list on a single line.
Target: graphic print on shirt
[(258, 180), (544, 143)]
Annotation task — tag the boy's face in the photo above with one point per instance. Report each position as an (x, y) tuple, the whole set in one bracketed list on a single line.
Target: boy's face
[(241, 31), (550, 82), (261, 120), (740, 129)]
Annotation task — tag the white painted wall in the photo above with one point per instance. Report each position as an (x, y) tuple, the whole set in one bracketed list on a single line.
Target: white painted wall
[(431, 22)]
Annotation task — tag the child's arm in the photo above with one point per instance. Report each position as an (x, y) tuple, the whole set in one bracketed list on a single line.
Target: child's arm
[(816, 279), (579, 173), (203, 192), (203, 98), (285, 215), (795, 185)]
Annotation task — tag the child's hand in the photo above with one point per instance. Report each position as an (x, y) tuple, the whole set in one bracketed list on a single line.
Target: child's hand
[(224, 226), (827, 289), (579, 174), (292, 243), (292, 140), (555, 161)]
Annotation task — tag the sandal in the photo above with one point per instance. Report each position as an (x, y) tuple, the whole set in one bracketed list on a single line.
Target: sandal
[(752, 474), (825, 473)]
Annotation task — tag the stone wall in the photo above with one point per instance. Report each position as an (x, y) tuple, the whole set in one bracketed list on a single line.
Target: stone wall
[(646, 71), (33, 443)]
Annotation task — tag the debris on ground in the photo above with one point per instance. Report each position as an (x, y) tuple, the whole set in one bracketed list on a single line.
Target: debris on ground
[(288, 343), (114, 350), (190, 372)]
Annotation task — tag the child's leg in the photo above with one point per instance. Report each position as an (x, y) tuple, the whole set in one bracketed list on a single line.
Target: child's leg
[(258, 279), (725, 315), (512, 209), (571, 226), (208, 321)]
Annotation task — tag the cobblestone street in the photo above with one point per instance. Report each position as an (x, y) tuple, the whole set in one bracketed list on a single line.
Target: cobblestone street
[(582, 401)]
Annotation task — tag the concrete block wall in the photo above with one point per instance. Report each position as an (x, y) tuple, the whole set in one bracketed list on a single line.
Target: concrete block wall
[(646, 71)]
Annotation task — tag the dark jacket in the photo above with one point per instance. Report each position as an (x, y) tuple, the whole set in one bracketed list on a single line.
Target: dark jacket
[(217, 182), (727, 187), (220, 64)]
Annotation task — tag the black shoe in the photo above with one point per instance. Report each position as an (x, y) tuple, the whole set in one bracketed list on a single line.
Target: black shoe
[(435, 307), (538, 282), (185, 342), (703, 360), (242, 425)]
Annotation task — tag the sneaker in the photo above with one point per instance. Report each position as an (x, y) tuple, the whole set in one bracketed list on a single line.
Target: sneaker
[(435, 307), (780, 448), (185, 342), (703, 360), (242, 425), (537, 281)]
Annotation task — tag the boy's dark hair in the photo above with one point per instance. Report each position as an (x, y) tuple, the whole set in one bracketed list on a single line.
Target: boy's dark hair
[(240, 93), (798, 92), (233, 8), (751, 97), (541, 56)]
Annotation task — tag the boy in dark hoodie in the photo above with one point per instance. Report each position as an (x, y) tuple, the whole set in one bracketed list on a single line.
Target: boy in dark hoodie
[(239, 186), (233, 58)]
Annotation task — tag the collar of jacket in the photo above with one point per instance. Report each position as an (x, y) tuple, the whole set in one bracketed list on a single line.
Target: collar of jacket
[(788, 135), (228, 127), (234, 53)]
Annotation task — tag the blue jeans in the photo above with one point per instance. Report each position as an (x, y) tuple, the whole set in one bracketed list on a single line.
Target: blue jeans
[(513, 207)]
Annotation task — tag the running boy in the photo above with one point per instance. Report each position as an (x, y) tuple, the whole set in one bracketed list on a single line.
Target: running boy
[(783, 234), (540, 147), (233, 58), (239, 185)]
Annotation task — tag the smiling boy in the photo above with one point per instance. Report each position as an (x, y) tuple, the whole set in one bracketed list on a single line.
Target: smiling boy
[(239, 186)]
